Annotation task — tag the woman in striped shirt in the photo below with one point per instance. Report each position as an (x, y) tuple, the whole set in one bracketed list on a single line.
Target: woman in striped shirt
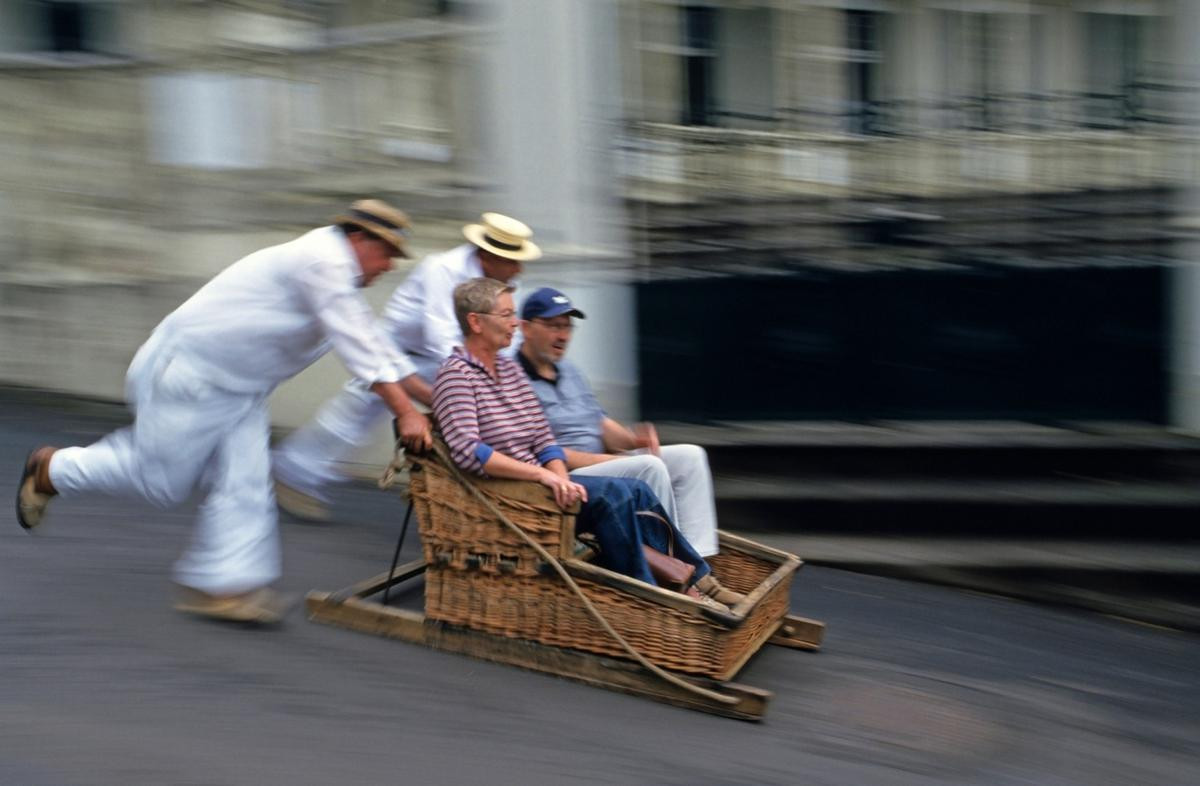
[(493, 424)]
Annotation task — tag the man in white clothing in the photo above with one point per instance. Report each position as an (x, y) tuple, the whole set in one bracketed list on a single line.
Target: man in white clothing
[(198, 390), (420, 319), (594, 443)]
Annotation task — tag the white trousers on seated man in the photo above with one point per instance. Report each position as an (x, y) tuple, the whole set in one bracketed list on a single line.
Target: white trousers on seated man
[(681, 480), (187, 433), (311, 458)]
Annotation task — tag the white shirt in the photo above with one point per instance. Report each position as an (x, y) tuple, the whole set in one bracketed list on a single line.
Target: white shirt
[(270, 314), (420, 314)]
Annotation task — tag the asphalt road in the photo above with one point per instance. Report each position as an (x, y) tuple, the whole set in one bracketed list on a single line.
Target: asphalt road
[(102, 683)]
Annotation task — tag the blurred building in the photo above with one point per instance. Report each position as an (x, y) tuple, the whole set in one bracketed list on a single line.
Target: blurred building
[(905, 97), (924, 209), (146, 143)]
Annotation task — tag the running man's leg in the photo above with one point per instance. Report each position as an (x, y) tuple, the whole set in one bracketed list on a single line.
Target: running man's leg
[(235, 544), (180, 419), (309, 459)]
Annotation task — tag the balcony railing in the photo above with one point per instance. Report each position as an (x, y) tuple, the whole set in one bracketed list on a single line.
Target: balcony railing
[(945, 155), (1139, 105)]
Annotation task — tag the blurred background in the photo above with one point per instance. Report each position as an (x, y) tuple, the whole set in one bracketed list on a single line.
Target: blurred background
[(848, 229), (884, 209)]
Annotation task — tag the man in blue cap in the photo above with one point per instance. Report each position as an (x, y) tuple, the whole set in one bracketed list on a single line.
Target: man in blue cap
[(596, 444)]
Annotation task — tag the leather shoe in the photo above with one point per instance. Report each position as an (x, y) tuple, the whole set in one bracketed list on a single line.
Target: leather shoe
[(35, 489), (296, 503), (705, 600), (714, 589), (261, 606)]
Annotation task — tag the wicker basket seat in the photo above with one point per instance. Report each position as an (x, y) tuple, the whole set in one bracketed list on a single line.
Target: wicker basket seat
[(483, 577)]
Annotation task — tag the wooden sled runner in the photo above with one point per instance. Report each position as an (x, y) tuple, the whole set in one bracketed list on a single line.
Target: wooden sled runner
[(491, 594)]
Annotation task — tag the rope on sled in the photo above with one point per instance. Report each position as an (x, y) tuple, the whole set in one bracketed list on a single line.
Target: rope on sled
[(392, 473), (678, 682)]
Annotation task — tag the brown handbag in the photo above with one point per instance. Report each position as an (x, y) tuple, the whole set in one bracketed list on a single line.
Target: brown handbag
[(668, 571)]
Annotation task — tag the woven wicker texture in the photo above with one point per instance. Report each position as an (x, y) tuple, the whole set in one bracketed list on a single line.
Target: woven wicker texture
[(482, 577), (543, 609), (457, 530), (740, 572)]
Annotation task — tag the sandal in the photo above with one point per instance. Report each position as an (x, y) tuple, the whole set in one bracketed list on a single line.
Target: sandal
[(31, 500)]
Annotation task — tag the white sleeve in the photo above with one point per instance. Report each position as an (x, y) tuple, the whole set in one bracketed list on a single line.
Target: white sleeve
[(442, 332), (329, 288)]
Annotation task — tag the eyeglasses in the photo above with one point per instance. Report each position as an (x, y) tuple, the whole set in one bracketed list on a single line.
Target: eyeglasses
[(555, 327), (506, 314)]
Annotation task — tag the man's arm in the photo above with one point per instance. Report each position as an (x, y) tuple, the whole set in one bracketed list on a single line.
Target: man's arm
[(579, 458), (418, 389), (618, 438), (413, 426), (350, 327)]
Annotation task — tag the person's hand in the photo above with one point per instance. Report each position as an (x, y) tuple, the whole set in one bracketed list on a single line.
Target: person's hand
[(645, 436), (566, 491), (414, 431)]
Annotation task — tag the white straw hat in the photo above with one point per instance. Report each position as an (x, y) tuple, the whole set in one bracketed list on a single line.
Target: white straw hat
[(503, 236)]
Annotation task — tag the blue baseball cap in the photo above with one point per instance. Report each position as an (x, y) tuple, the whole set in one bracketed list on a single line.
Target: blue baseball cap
[(546, 303)]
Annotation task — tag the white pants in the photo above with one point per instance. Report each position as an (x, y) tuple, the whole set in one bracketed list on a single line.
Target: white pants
[(186, 433), (310, 458), (681, 480)]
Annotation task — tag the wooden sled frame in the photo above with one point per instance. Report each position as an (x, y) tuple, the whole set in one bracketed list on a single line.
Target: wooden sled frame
[(351, 608)]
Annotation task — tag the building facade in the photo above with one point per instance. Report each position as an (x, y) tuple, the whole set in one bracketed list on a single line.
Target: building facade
[(149, 142)]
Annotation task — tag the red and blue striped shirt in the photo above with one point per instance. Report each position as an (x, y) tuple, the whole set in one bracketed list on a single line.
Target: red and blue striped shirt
[(479, 414)]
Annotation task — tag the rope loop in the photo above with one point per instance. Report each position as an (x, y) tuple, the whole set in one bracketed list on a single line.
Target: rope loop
[(711, 695)]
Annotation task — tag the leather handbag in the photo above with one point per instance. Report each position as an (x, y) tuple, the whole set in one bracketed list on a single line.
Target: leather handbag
[(668, 571)]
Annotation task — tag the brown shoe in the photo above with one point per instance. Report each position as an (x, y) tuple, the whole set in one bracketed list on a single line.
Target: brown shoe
[(705, 600), (257, 607), (35, 489), (714, 589), (296, 503)]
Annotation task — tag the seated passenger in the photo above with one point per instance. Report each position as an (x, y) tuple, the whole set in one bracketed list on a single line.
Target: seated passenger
[(494, 426), (595, 444)]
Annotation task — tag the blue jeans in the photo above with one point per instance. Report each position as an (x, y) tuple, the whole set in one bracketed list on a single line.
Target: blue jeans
[(611, 514)]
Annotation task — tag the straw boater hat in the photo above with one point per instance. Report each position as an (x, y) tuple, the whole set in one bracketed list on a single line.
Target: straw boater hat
[(503, 236), (381, 220)]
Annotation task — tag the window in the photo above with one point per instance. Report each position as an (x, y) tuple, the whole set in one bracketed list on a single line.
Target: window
[(864, 34), (699, 31), (66, 27), (59, 26), (1113, 55), (727, 66), (971, 69)]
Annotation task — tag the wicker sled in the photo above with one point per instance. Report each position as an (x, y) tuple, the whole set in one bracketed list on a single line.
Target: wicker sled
[(491, 595)]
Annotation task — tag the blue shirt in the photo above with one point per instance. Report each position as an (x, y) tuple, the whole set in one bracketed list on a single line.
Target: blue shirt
[(574, 413)]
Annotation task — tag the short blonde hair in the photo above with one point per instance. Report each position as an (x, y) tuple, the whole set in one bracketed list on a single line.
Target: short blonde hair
[(477, 296)]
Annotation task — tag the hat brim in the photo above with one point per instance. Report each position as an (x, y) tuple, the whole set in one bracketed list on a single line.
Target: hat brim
[(570, 311), (477, 234), (389, 236)]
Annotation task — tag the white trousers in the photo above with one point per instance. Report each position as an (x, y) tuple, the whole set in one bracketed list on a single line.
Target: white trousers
[(683, 483), (188, 433), (310, 458)]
